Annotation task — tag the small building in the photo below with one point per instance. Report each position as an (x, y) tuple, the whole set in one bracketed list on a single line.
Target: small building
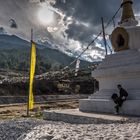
[(63, 85)]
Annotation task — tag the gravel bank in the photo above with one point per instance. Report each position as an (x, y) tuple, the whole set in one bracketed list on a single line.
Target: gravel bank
[(31, 129), (13, 129)]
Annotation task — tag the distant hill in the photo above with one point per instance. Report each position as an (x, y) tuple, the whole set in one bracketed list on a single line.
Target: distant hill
[(12, 41), (15, 55)]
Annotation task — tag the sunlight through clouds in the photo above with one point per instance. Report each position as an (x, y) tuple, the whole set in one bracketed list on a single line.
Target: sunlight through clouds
[(67, 25)]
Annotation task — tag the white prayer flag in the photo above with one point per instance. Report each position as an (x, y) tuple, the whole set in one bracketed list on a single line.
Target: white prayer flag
[(77, 67)]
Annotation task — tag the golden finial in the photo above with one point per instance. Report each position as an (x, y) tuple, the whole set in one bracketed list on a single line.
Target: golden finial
[(128, 18)]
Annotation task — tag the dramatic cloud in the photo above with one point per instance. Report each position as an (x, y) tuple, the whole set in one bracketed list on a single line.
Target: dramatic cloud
[(87, 15), (68, 25)]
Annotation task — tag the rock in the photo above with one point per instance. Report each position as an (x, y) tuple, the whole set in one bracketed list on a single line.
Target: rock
[(25, 129), (48, 137)]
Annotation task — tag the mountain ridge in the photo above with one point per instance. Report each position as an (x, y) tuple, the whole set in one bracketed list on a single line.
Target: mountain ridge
[(15, 54)]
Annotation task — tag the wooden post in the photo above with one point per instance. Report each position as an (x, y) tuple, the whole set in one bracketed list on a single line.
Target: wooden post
[(104, 35)]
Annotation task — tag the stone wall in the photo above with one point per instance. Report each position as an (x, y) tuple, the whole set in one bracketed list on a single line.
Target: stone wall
[(38, 99)]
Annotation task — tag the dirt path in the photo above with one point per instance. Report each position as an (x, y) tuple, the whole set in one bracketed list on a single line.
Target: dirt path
[(9, 112)]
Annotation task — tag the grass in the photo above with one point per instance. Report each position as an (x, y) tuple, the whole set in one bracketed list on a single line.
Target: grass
[(14, 112)]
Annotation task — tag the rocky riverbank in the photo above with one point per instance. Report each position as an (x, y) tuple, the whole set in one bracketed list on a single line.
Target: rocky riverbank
[(14, 83), (33, 129)]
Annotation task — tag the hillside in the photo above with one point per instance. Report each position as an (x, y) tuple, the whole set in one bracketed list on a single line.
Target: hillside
[(15, 55)]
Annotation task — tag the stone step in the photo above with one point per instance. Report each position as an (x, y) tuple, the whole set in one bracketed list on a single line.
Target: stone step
[(117, 70), (129, 107), (132, 95), (77, 117), (124, 57), (123, 53), (135, 56), (120, 63)]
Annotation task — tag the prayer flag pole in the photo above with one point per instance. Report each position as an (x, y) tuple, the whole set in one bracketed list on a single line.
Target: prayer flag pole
[(30, 103), (105, 43)]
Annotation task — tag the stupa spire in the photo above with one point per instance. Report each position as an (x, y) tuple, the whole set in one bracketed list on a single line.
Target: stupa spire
[(128, 18)]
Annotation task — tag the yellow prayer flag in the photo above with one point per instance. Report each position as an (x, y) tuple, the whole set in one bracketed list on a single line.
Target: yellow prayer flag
[(32, 72)]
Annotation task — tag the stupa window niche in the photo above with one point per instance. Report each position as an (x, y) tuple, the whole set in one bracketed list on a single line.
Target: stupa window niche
[(120, 41)]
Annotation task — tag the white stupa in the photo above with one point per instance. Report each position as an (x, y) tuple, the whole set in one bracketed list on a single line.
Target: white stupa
[(122, 67)]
